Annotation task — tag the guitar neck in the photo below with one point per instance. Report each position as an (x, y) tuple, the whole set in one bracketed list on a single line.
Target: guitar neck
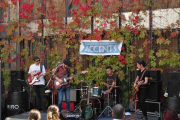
[(42, 74), (73, 76)]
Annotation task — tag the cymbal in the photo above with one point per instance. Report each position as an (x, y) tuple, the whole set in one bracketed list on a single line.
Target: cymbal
[(116, 86), (81, 81)]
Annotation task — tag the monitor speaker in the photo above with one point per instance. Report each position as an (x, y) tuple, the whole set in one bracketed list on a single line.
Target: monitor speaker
[(155, 89), (15, 75), (155, 74), (173, 84)]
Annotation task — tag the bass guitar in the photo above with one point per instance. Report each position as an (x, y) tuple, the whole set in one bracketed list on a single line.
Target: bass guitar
[(88, 113), (65, 80), (32, 80), (136, 89)]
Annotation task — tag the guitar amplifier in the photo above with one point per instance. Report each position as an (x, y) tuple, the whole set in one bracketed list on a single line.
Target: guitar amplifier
[(72, 115)]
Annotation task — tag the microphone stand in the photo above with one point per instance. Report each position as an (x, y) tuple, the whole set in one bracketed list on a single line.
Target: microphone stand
[(52, 83)]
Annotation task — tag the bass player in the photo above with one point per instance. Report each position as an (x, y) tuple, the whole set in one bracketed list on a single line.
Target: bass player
[(39, 86), (142, 80)]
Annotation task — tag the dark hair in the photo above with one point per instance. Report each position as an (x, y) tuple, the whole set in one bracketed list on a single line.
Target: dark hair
[(53, 112), (35, 58), (118, 111), (141, 62), (109, 67), (67, 62), (34, 114), (169, 114)]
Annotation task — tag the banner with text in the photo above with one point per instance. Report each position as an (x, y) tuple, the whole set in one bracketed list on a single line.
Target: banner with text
[(103, 47)]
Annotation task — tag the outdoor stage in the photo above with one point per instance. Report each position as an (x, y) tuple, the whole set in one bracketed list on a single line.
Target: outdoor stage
[(24, 116)]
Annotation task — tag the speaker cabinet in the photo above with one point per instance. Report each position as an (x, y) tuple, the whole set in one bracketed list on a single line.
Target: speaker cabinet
[(73, 95), (155, 74), (173, 84), (15, 75), (173, 104), (154, 92)]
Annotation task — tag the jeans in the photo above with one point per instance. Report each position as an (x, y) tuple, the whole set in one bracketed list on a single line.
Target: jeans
[(142, 94), (67, 97), (40, 95)]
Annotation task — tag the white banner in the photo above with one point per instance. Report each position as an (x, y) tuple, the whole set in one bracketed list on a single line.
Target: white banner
[(103, 47)]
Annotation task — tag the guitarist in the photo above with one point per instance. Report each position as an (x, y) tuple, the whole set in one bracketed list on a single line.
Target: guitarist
[(142, 75), (39, 87), (62, 70)]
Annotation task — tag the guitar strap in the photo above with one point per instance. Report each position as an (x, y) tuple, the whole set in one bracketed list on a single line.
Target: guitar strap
[(41, 68), (142, 75)]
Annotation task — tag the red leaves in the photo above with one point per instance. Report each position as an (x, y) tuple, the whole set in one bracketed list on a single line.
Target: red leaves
[(43, 25), (122, 48), (84, 26), (123, 62), (15, 1), (54, 17), (27, 8), (98, 37), (173, 34), (1, 28), (75, 2), (77, 21), (60, 31), (107, 3), (121, 57)]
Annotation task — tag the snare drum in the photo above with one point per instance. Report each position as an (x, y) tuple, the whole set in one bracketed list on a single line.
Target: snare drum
[(106, 95), (96, 92)]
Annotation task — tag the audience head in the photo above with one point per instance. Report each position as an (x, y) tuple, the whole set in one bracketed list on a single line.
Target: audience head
[(34, 115), (169, 114), (118, 112), (53, 113)]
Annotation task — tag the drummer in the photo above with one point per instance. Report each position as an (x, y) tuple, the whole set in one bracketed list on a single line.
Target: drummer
[(111, 80)]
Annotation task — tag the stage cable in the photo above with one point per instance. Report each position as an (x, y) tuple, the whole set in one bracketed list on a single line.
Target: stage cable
[(135, 109)]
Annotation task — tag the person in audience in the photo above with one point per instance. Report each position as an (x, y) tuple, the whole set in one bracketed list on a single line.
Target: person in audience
[(53, 112), (169, 114), (34, 115), (118, 112)]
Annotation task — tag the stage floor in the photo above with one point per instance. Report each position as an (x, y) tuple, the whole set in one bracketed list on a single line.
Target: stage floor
[(24, 116)]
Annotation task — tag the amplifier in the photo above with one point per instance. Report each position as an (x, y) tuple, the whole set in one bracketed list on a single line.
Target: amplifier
[(71, 115), (153, 108)]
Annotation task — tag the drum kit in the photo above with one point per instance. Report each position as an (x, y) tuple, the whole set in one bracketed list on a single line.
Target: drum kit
[(95, 96)]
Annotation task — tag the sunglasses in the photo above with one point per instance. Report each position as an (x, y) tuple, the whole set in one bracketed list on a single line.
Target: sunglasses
[(37, 60)]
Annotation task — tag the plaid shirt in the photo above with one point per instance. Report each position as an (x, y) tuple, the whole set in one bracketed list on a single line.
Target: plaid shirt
[(60, 71)]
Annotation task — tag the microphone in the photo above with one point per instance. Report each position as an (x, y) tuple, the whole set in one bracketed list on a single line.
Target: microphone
[(58, 63)]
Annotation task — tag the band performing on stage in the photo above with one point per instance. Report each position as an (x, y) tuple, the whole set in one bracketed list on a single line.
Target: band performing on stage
[(94, 100)]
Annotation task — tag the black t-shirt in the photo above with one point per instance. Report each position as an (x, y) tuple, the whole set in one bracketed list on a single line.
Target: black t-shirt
[(146, 74), (113, 77)]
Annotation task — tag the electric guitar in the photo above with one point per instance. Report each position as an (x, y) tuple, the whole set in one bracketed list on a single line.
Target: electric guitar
[(65, 80), (136, 89), (88, 113), (32, 80)]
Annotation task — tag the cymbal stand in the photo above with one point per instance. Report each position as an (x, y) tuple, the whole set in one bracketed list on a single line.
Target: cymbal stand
[(115, 102), (81, 96), (108, 108)]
